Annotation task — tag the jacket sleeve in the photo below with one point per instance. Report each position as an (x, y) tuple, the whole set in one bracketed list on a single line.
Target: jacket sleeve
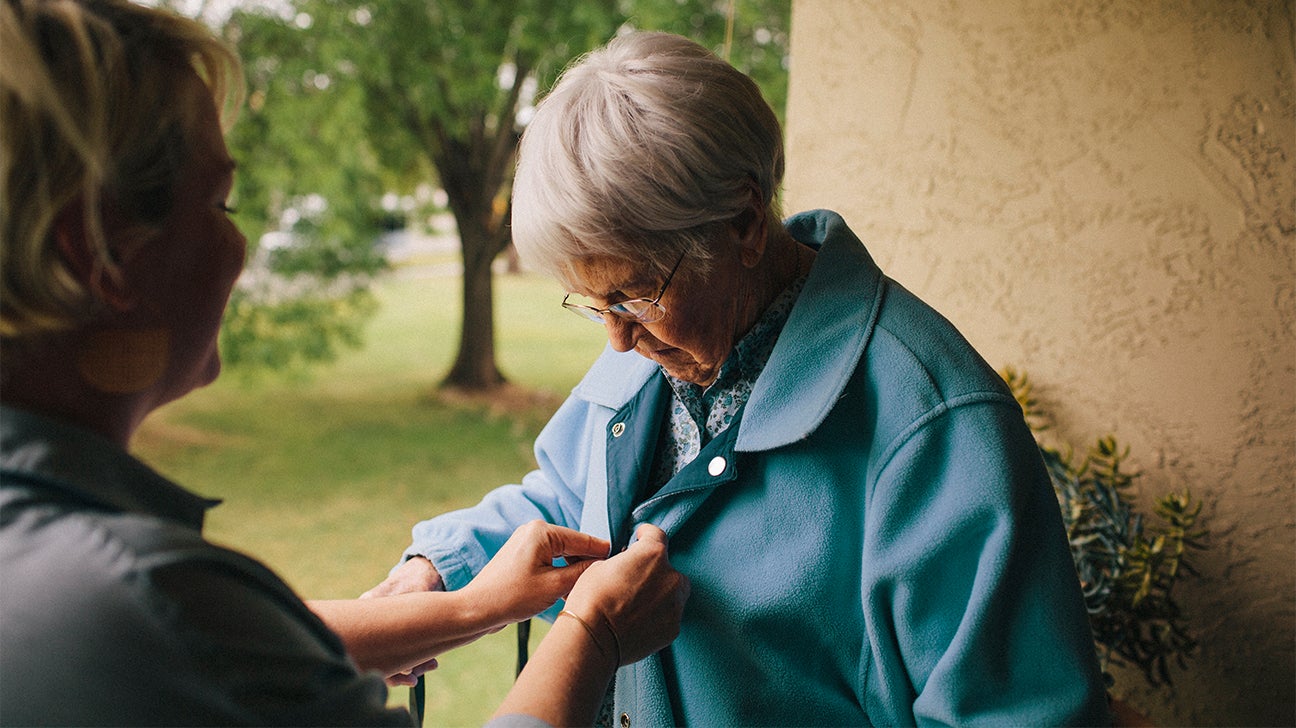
[(460, 543), (972, 606)]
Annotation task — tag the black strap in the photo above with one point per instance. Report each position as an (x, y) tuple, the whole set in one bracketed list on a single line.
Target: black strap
[(417, 699), (523, 644), (418, 694)]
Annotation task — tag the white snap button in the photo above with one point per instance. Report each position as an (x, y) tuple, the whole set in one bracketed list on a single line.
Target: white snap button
[(618, 429), (716, 466)]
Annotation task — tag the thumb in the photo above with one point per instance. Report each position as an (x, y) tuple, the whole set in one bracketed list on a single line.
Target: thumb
[(649, 532)]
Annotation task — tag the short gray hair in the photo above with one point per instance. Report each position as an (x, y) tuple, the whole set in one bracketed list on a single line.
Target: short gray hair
[(641, 152)]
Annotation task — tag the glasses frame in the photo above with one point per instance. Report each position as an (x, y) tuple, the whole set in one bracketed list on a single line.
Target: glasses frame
[(618, 309)]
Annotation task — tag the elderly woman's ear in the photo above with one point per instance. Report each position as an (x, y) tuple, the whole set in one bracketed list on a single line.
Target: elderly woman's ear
[(752, 231)]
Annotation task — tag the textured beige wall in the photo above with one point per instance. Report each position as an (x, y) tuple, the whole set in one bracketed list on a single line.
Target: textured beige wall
[(1102, 194)]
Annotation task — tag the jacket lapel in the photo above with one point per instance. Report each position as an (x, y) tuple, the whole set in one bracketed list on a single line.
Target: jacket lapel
[(679, 498), (631, 442)]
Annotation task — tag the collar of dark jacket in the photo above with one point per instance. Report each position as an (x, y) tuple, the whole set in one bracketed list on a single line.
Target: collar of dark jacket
[(63, 461)]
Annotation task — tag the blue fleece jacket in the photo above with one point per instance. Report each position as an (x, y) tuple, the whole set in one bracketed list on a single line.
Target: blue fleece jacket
[(874, 542)]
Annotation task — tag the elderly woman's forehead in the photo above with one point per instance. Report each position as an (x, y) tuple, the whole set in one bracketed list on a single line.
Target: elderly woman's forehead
[(600, 275)]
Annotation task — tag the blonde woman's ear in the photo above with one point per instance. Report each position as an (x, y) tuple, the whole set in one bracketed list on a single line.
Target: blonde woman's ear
[(90, 263)]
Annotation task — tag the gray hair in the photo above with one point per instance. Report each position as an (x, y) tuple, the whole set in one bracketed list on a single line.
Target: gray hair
[(641, 152)]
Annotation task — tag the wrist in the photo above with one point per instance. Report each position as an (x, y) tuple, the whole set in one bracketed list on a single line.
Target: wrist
[(427, 571), (478, 608), (599, 631)]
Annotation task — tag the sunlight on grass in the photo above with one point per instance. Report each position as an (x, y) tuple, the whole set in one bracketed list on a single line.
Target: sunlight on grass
[(323, 478)]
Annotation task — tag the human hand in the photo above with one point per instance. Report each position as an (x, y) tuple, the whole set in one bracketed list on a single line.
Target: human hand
[(410, 678), (521, 581), (635, 598), (416, 575)]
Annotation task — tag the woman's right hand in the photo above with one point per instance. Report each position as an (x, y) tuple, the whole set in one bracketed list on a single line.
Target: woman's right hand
[(634, 600)]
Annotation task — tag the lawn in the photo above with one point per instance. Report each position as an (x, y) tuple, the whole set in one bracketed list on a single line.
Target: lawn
[(323, 478)]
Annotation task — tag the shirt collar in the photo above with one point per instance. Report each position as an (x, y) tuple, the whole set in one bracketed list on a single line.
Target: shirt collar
[(813, 359), (91, 468), (749, 355)]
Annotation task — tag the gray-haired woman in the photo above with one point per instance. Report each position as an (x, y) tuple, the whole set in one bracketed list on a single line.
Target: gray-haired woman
[(868, 528)]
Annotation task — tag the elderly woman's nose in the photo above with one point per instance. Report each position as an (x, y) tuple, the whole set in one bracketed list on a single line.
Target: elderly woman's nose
[(623, 334)]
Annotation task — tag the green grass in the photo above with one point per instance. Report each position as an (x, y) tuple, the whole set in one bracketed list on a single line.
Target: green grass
[(322, 479)]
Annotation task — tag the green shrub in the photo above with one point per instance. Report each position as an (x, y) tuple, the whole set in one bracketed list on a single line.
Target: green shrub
[(1127, 563)]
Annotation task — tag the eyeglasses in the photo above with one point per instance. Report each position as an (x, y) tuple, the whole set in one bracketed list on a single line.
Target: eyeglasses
[(643, 310)]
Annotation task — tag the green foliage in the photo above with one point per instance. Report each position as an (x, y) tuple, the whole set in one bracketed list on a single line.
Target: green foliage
[(757, 40), (1128, 564), (289, 333), (306, 176)]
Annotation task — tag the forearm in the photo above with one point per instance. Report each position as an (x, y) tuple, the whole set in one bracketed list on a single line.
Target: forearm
[(565, 680), (392, 634)]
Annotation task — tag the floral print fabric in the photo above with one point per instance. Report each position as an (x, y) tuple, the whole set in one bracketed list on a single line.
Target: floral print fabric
[(698, 414)]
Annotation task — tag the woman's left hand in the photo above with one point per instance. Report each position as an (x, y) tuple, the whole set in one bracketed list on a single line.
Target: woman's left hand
[(522, 581)]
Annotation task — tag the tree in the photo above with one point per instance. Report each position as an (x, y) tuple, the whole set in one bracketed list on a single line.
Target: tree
[(448, 79), (303, 178), (413, 88)]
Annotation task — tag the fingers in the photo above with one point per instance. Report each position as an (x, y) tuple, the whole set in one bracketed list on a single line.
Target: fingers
[(636, 595), (408, 679), (415, 575), (683, 588), (558, 541), (385, 589), (401, 680), (571, 544)]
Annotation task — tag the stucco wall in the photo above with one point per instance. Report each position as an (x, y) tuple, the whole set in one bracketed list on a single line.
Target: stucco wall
[(1100, 193)]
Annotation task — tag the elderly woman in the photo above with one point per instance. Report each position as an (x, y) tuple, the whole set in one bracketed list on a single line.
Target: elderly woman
[(870, 534), (118, 258)]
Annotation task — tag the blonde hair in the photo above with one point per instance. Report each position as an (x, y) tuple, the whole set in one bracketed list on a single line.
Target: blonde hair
[(641, 152), (92, 115)]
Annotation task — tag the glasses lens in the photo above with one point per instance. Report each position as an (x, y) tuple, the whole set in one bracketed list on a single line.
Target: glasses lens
[(642, 311), (584, 312)]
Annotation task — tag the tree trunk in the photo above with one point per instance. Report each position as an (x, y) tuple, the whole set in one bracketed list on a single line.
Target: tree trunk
[(472, 173), (474, 367)]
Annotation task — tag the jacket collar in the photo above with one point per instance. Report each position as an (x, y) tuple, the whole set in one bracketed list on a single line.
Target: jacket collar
[(823, 340), (814, 358), (38, 451)]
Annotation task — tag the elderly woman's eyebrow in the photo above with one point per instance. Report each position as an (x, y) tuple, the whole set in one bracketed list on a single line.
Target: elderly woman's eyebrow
[(639, 284)]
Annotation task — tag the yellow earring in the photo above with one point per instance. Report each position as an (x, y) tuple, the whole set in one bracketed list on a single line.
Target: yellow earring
[(122, 361)]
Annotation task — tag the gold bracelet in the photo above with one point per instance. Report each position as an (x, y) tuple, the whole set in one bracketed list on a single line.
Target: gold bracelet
[(615, 639), (593, 638)]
